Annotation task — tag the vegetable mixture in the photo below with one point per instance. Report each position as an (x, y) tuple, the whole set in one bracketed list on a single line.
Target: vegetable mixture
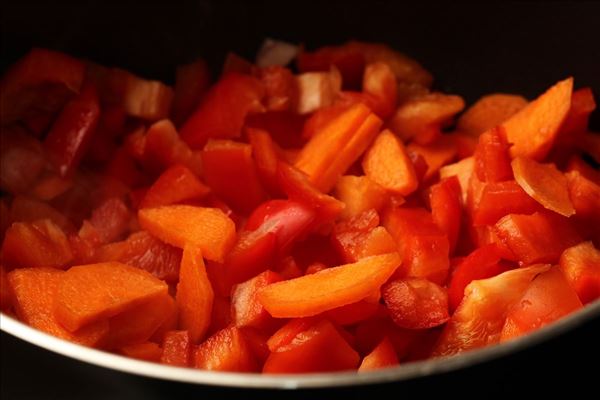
[(313, 211)]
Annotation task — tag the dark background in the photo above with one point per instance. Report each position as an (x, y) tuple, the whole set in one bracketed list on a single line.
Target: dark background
[(471, 49)]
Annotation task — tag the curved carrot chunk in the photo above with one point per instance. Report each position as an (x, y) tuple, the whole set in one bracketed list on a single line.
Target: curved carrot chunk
[(34, 291), (194, 294), (208, 228), (545, 183), (226, 350), (175, 185), (581, 266), (388, 164), (383, 355), (422, 118), (89, 293), (533, 129), (479, 318), (319, 348), (325, 290), (548, 298), (323, 160), (490, 111), (138, 324)]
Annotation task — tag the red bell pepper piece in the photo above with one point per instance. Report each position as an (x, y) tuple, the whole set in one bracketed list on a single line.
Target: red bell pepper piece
[(548, 298), (246, 310), (446, 208), (285, 127), (540, 237), (26, 209), (492, 160), (423, 246), (42, 79), (21, 161), (581, 266), (319, 348), (585, 196), (576, 122), (144, 251), (191, 83), (502, 198), (36, 244), (281, 90), (482, 263), (266, 158), (416, 303), (72, 132), (177, 349), (382, 356), (230, 171), (226, 350), (223, 110), (297, 186), (164, 146)]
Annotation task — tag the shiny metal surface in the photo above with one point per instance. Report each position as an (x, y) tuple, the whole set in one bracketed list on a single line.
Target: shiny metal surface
[(399, 373)]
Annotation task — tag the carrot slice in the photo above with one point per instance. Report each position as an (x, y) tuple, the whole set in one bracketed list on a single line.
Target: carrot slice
[(208, 228), (328, 289), (545, 183), (387, 163), (138, 324), (436, 155), (383, 355), (490, 111), (323, 160), (89, 293), (533, 129), (175, 185), (34, 290), (194, 294)]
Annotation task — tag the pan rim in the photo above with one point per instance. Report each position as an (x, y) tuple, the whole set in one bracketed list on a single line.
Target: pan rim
[(398, 373)]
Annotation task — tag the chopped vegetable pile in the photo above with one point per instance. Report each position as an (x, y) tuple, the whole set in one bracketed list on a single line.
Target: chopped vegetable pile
[(314, 211)]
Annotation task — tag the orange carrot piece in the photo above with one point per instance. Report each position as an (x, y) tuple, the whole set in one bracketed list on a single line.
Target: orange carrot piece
[(175, 185), (146, 351), (359, 194), (436, 155), (34, 290), (333, 287), (208, 228), (89, 293), (533, 129), (545, 183), (138, 324), (177, 349), (323, 160), (421, 118), (194, 294), (387, 163), (490, 111), (383, 355)]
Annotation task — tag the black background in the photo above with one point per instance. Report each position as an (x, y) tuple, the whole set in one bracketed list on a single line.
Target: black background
[(471, 49)]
